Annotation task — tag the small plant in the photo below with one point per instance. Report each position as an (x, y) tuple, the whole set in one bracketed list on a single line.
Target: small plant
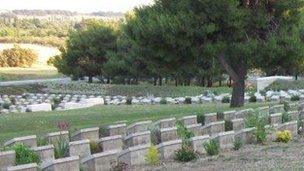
[(220, 116), (42, 142), (55, 103), (188, 100), (295, 98), (286, 117), (286, 106), (201, 119), (212, 147), (129, 100), (253, 99), (237, 144), (24, 155), (228, 125), (284, 136), (185, 154), (13, 100), (163, 101), (226, 99), (153, 156), (6, 105), (183, 132), (61, 148), (95, 147), (119, 166)]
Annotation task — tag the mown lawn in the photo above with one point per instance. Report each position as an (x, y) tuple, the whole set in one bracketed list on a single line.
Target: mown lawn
[(14, 125), (12, 74)]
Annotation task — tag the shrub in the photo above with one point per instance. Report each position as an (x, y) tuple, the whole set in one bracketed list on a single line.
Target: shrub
[(286, 117), (284, 136), (13, 100), (286, 106), (188, 100), (295, 98), (201, 119), (220, 116), (163, 101), (95, 148), (129, 100), (153, 156), (228, 125), (61, 148), (55, 103), (19, 57), (226, 99), (212, 147), (253, 99), (24, 155), (185, 154), (237, 144), (183, 132), (6, 105)]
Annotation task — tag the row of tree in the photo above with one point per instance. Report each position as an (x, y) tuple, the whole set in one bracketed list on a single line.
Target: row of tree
[(191, 40)]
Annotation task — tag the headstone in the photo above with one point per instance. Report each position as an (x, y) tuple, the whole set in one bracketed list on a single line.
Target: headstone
[(225, 139), (166, 123), (238, 124), (291, 126), (213, 128), (7, 158), (119, 129), (195, 129), (39, 107), (55, 137), (111, 143), (134, 155), (25, 167), (30, 141), (68, 163), (167, 134), (197, 143), (247, 136), (189, 120), (275, 118), (138, 127), (45, 153), (80, 148), (210, 117), (168, 149), (88, 133), (294, 115), (139, 138), (100, 161), (229, 115)]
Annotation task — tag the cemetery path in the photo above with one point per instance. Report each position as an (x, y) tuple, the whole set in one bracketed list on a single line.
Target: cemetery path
[(27, 82)]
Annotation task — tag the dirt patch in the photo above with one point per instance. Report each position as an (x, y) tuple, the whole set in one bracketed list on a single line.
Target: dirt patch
[(273, 156)]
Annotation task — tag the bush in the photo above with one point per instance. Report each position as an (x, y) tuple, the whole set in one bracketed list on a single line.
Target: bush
[(212, 147), (18, 57), (6, 105), (153, 156), (55, 103), (163, 101), (201, 119), (295, 98), (284, 136), (226, 99), (24, 155), (228, 126), (286, 106), (61, 148), (188, 100), (183, 132), (253, 99), (129, 100), (95, 148), (286, 117), (259, 121), (237, 144), (185, 154)]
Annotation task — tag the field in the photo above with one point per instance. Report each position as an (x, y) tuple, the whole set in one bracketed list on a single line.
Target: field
[(12, 74), (22, 124)]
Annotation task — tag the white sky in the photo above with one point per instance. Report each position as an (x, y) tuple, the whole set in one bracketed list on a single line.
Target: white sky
[(74, 5)]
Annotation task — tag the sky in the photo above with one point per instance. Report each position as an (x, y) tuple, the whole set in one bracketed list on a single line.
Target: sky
[(74, 5)]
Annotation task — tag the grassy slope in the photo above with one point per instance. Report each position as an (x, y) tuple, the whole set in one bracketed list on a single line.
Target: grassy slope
[(9, 74), (14, 125)]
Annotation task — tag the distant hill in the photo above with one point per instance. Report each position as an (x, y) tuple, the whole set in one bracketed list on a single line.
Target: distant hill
[(41, 13)]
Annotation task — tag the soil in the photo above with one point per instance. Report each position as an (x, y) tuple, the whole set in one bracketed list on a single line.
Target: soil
[(272, 156)]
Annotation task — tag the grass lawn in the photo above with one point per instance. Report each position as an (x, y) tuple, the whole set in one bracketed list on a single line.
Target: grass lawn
[(22, 124), (12, 74)]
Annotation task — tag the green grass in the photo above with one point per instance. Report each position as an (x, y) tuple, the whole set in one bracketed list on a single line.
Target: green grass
[(132, 90), (17, 90), (12, 74), (14, 125)]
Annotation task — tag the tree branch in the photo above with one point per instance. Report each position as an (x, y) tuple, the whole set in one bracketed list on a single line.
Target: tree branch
[(227, 67)]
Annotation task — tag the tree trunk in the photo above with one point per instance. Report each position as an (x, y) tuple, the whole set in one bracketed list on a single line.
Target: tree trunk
[(160, 81), (209, 82), (238, 75), (154, 81), (176, 82), (90, 79), (108, 80)]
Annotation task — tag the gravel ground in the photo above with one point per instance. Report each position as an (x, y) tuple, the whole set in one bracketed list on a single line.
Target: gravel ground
[(273, 156)]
